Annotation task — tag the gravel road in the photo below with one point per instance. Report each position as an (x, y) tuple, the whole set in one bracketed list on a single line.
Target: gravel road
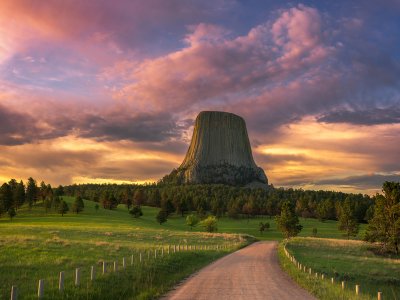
[(250, 273)]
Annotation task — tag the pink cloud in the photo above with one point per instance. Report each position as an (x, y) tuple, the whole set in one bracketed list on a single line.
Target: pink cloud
[(214, 67)]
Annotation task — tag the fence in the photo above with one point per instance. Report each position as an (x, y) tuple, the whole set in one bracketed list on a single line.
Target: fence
[(308, 270), (113, 266)]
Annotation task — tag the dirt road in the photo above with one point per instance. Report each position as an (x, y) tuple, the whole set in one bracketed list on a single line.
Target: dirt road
[(250, 273)]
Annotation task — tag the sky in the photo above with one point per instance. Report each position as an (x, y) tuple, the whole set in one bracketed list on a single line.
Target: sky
[(105, 91)]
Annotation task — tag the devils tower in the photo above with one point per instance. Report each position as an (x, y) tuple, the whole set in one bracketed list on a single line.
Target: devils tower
[(219, 152)]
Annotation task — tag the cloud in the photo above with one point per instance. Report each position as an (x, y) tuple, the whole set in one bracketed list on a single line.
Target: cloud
[(362, 182), (16, 128), (371, 116), (136, 75), (122, 126)]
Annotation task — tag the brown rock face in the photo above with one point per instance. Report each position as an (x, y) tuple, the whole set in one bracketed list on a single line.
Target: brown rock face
[(219, 152)]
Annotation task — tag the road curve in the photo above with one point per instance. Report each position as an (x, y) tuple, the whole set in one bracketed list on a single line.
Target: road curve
[(250, 273)]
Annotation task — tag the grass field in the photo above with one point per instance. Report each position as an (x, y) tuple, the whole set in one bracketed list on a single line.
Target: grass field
[(351, 261), (36, 245), (39, 245)]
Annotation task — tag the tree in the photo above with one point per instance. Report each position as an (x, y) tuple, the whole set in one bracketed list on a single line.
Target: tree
[(63, 208), (11, 213), (192, 220), (263, 226), (288, 221), (136, 211), (31, 192), (19, 194), (138, 197), (6, 198), (384, 227), (347, 220), (210, 223), (167, 206), (162, 216), (314, 232), (59, 191), (78, 205)]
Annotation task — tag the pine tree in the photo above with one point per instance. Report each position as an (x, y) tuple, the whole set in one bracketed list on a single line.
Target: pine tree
[(136, 211), (11, 213), (63, 208), (6, 198), (19, 196), (78, 205), (31, 192), (288, 221), (347, 220), (162, 216), (384, 227)]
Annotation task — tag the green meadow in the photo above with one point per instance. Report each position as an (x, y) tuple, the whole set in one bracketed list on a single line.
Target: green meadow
[(38, 245), (354, 262)]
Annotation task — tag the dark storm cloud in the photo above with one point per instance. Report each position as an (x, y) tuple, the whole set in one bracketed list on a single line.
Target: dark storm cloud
[(15, 127), (140, 128), (373, 116)]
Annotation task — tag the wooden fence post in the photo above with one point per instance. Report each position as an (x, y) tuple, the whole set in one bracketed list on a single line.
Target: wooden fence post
[(357, 289), (40, 292), (174, 248), (92, 273), (162, 251), (115, 266), (140, 257), (132, 260), (104, 267), (333, 280), (343, 285), (323, 276), (61, 281), (123, 263), (379, 295), (14, 292), (155, 253), (77, 276)]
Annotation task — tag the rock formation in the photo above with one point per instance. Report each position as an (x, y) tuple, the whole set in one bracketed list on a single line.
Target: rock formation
[(219, 152)]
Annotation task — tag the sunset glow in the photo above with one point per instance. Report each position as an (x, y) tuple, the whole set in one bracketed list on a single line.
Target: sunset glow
[(92, 91)]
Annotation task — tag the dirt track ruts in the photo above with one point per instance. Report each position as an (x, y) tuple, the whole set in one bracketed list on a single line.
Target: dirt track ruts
[(250, 273)]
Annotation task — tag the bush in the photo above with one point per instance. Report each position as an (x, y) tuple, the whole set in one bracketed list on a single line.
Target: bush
[(136, 211), (210, 224), (162, 216)]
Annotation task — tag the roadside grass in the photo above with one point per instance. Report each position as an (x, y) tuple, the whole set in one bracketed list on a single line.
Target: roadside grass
[(351, 261), (148, 279)]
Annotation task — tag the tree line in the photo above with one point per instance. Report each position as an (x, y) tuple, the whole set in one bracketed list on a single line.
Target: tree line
[(14, 194), (223, 200)]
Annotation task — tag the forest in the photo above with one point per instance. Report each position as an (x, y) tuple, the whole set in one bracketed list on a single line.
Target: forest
[(224, 200)]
